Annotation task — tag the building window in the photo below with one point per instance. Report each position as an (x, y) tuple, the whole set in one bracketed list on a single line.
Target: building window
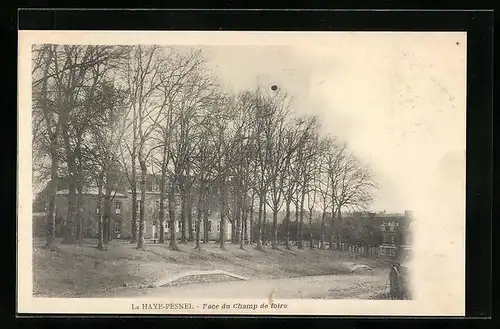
[(118, 207), (138, 206)]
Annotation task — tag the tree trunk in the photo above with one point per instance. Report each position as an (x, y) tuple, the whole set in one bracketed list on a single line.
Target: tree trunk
[(242, 228), (259, 224), (245, 224), (51, 224), (199, 214), (250, 232), (332, 224), (297, 223), (205, 219), (232, 219), (183, 218), (339, 218), (310, 229), (323, 229), (54, 166), (142, 220), (237, 220), (161, 214), (79, 227), (301, 232), (107, 215), (222, 231), (233, 229), (107, 208), (105, 225), (51, 209), (69, 234), (171, 217), (275, 229), (189, 211), (100, 226), (264, 223), (287, 225), (162, 196), (134, 202)]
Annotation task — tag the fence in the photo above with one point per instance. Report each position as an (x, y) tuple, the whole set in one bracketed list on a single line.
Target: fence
[(357, 250), (372, 251)]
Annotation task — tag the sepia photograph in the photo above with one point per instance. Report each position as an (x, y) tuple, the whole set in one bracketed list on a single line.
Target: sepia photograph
[(243, 171)]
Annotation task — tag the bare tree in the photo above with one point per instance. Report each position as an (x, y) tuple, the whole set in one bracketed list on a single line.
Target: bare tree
[(46, 114), (263, 132), (88, 66), (225, 144), (279, 153), (242, 134), (63, 76), (354, 187), (307, 155), (142, 75), (101, 148), (323, 184), (205, 163), (297, 137), (336, 155), (181, 87)]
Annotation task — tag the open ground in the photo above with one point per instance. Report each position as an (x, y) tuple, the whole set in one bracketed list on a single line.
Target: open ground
[(83, 271)]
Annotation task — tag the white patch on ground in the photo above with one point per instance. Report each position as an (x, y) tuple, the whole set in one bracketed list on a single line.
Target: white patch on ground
[(361, 269), (174, 278)]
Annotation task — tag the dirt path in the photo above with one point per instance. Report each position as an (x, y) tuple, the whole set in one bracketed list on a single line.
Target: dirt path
[(323, 286)]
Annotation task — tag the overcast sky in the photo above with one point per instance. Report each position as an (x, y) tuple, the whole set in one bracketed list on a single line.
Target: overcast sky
[(397, 100)]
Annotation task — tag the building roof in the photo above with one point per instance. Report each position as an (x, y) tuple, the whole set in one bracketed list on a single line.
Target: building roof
[(92, 191)]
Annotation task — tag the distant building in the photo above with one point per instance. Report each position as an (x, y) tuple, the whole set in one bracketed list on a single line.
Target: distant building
[(121, 214), (396, 234)]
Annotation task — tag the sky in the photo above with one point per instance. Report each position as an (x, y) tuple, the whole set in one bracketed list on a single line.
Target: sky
[(398, 101)]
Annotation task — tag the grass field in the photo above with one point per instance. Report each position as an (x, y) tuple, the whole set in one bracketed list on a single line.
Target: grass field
[(83, 271)]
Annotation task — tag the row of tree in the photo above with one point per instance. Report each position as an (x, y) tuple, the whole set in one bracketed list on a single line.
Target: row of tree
[(144, 110)]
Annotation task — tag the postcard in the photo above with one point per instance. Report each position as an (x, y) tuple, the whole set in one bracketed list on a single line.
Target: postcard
[(276, 173)]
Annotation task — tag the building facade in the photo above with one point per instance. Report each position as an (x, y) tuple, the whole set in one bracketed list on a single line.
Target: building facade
[(396, 235), (120, 217)]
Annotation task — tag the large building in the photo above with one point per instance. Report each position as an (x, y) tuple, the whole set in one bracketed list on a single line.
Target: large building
[(121, 214)]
